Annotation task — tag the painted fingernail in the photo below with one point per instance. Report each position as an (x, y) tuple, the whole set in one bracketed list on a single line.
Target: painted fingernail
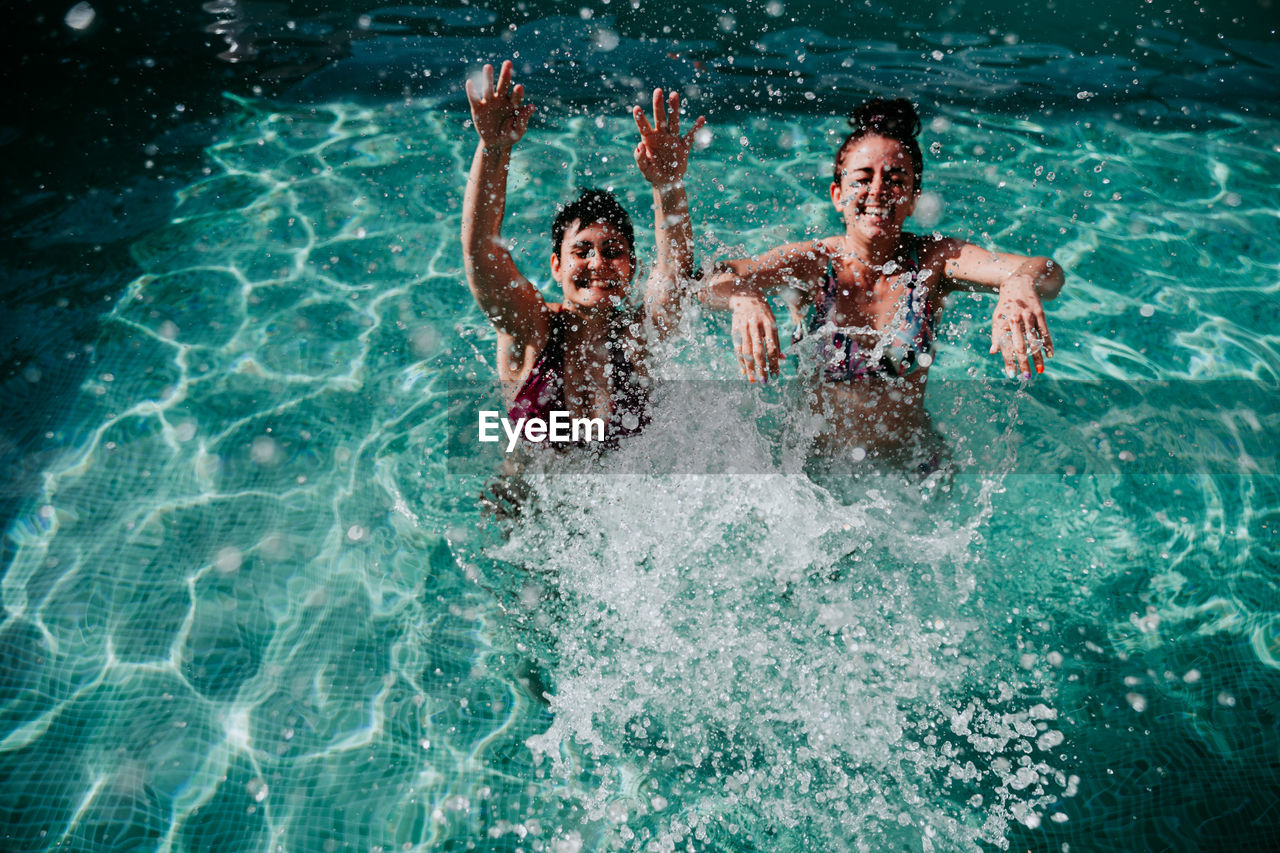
[(1039, 368), (1009, 373), (1026, 374)]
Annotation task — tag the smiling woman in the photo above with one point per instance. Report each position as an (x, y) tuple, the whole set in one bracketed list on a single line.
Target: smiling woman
[(876, 291), (593, 250), (583, 357)]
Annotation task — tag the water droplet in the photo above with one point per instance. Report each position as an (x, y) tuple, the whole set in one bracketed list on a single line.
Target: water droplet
[(606, 39), (80, 16), (229, 560), (264, 450)]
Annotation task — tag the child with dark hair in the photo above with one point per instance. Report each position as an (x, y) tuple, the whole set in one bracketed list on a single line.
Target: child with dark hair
[(592, 206), (877, 290), (585, 355)]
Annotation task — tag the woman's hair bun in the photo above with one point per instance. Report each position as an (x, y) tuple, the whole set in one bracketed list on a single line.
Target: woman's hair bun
[(896, 119)]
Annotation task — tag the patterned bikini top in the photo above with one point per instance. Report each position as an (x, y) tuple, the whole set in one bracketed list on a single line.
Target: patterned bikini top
[(843, 359), (542, 391)]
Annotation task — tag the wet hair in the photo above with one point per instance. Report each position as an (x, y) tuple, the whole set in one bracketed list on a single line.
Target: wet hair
[(593, 206), (896, 120)]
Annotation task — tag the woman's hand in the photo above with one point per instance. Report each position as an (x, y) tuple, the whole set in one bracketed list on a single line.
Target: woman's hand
[(662, 153), (755, 336), (498, 111), (508, 299), (1018, 328)]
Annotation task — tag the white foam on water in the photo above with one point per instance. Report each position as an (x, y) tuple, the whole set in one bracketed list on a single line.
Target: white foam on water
[(765, 656)]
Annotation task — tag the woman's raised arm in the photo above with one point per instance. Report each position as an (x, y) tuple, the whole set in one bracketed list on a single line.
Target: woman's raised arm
[(663, 157), (500, 116), (741, 286), (1019, 331)]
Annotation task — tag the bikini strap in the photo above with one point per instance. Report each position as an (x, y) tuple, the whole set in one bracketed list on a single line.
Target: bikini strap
[(543, 389), (618, 351), (914, 254), (553, 351), (823, 308)]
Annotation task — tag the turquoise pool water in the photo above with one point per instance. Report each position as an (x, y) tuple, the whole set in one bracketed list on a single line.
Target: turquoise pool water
[(252, 601)]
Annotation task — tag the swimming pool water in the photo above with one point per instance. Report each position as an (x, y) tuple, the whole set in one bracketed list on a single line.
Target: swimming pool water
[(253, 603)]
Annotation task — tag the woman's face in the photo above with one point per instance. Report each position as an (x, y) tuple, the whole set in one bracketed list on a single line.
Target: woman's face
[(876, 191), (593, 265)]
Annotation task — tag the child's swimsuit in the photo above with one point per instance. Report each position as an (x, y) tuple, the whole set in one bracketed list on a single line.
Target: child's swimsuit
[(843, 359), (543, 389)]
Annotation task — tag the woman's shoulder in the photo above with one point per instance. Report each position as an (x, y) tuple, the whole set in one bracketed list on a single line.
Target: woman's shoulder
[(826, 247), (818, 247), (934, 249), (808, 256), (932, 243)]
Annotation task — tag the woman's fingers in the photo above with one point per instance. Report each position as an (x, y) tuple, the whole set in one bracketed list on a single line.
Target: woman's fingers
[(644, 157), (504, 79), (773, 349), (490, 89), (522, 118), (1022, 339), (1035, 333), (693, 131), (747, 347), (1002, 342), (1019, 343), (759, 355), (642, 122), (755, 343), (666, 118), (1037, 359), (1046, 342), (739, 346)]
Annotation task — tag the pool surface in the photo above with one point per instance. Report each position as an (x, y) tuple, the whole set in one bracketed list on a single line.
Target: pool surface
[(251, 599)]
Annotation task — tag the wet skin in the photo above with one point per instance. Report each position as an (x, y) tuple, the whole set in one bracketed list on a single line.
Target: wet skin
[(593, 266)]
